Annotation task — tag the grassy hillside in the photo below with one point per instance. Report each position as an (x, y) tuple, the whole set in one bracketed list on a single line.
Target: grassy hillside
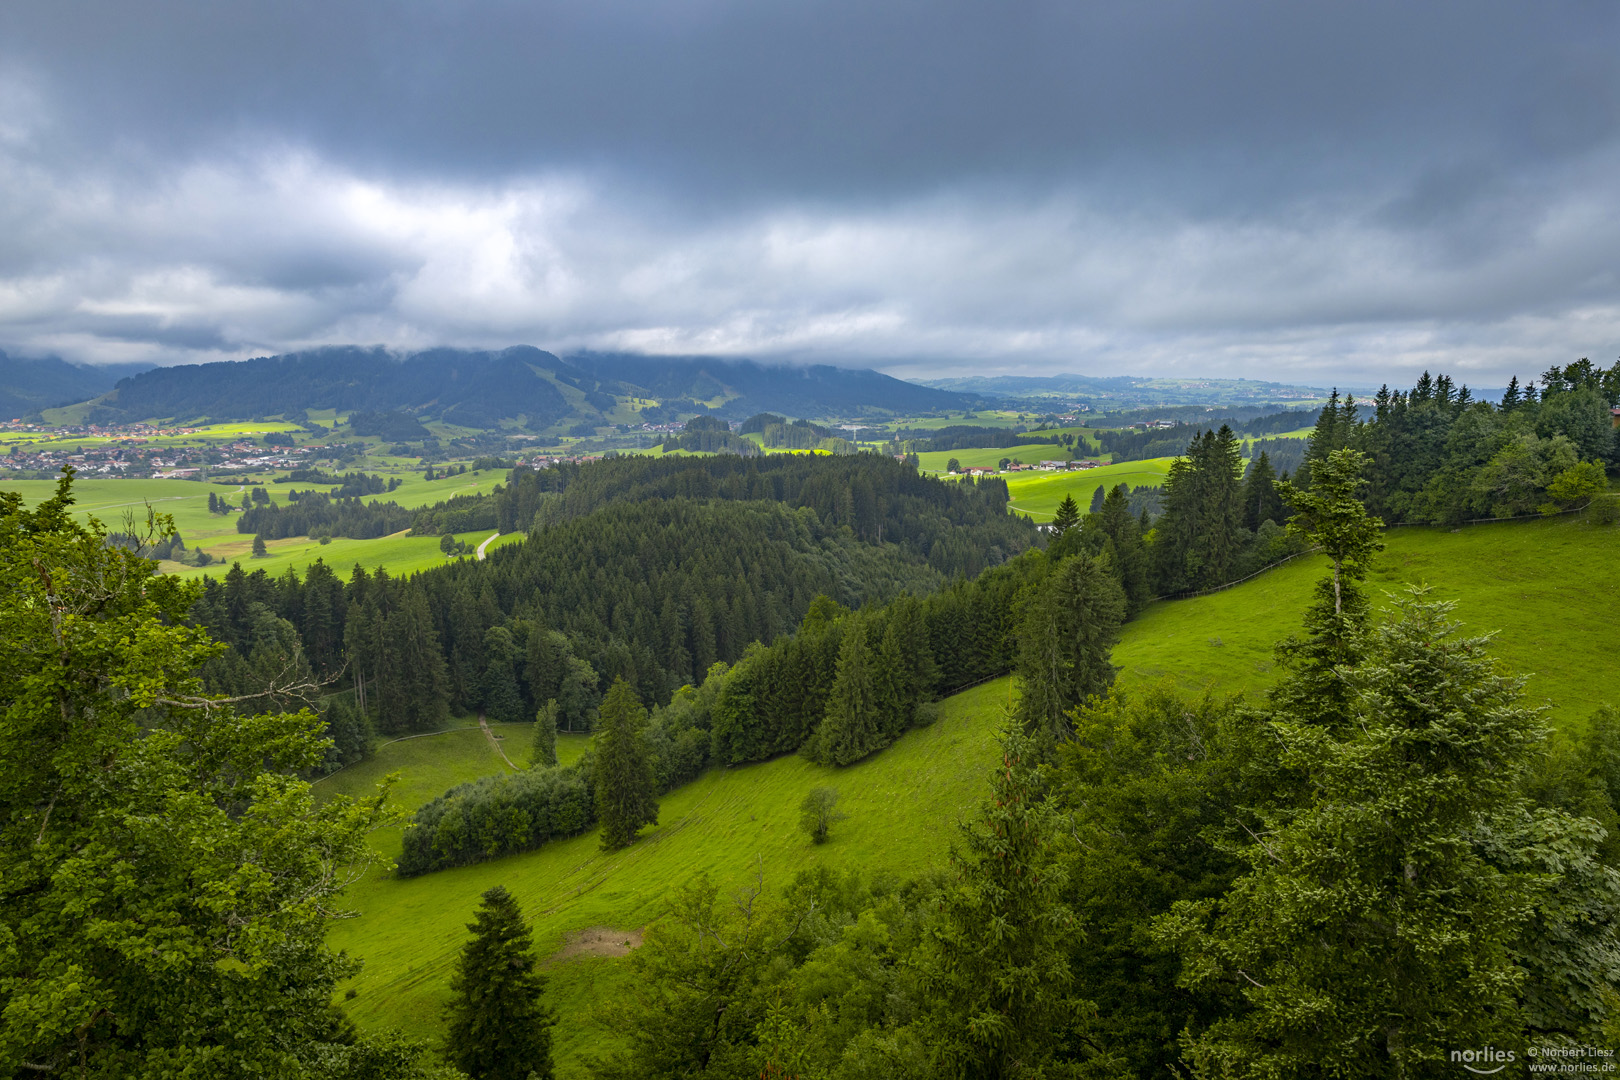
[(1549, 590), (901, 805), (1038, 494)]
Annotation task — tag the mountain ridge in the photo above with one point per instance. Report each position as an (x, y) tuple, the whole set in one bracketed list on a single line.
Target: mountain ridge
[(523, 384)]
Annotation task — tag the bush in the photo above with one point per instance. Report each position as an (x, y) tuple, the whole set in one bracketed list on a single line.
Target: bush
[(818, 813), (1605, 510)]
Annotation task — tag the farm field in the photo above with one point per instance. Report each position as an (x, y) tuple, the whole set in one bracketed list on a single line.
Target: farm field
[(1548, 590), (1038, 494), (187, 502), (901, 803), (398, 554), (1029, 454)]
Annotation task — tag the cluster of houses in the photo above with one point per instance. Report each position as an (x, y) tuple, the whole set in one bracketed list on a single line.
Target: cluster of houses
[(546, 461), (1042, 466), (125, 453)]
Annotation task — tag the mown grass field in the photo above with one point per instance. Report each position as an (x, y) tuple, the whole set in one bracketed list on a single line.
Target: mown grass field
[(399, 554), (1038, 494), (989, 458), (1548, 590), (902, 806)]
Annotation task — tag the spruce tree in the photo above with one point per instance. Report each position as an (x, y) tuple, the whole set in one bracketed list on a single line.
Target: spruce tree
[(1125, 547), (1067, 632), (1330, 516), (994, 964), (544, 752), (1097, 497), (503, 701), (1067, 517), (1261, 503), (626, 783), (499, 1026), (852, 726), (259, 550)]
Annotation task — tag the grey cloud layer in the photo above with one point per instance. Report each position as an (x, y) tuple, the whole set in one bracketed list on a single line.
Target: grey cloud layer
[(1215, 189)]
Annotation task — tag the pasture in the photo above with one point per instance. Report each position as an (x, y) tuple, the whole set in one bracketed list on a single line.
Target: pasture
[(1546, 590), (1039, 493), (902, 806)]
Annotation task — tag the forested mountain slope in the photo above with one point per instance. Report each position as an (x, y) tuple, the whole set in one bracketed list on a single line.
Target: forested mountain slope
[(26, 386), (484, 388)]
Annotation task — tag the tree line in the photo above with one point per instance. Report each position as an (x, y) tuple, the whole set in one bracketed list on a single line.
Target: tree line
[(967, 437), (845, 685), (1439, 456)]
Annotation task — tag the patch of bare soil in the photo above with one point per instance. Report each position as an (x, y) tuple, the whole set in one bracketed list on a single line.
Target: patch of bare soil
[(598, 941)]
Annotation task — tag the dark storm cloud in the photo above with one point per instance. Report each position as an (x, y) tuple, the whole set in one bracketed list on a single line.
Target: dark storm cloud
[(1205, 188)]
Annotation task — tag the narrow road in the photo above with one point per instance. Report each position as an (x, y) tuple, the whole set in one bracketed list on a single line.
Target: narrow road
[(493, 741), (485, 544)]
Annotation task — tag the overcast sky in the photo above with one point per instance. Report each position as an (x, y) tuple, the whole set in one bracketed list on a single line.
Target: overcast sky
[(1300, 191)]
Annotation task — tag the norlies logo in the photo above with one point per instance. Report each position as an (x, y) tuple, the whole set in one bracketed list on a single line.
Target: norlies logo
[(1490, 1056)]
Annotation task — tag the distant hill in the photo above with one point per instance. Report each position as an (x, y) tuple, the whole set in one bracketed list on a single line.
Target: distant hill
[(472, 388), (1130, 391), (752, 388), (482, 389), (27, 386)]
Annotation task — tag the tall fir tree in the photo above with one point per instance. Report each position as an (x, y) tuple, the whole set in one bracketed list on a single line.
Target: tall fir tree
[(1330, 516), (1125, 547), (499, 1027), (852, 726), (1067, 632), (994, 964), (625, 780), (543, 753), (1067, 516), (503, 700), (1261, 502)]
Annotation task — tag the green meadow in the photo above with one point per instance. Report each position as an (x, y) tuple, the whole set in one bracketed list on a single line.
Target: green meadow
[(902, 806), (1548, 591), (398, 554), (1039, 493)]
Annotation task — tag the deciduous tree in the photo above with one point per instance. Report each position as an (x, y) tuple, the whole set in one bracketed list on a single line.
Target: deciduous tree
[(166, 880)]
